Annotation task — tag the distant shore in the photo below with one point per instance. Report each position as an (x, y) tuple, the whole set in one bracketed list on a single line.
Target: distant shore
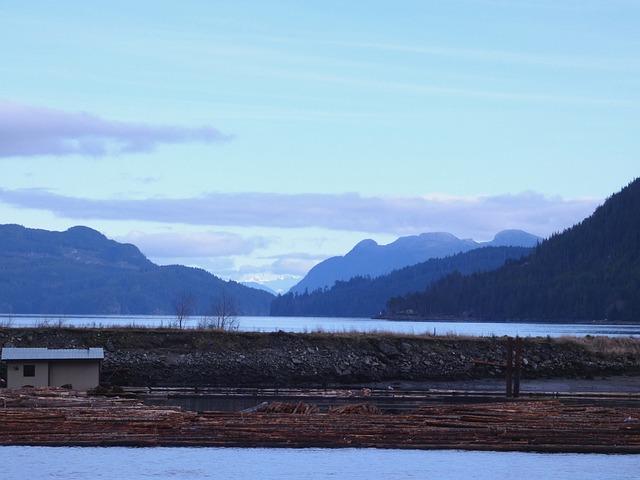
[(471, 319)]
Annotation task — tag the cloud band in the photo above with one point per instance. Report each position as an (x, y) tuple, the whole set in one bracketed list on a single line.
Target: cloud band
[(480, 217), (27, 131)]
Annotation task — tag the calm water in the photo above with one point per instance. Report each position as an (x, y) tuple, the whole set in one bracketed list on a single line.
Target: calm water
[(71, 463), (311, 324)]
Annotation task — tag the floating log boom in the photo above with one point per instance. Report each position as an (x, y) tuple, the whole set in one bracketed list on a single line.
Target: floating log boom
[(537, 426)]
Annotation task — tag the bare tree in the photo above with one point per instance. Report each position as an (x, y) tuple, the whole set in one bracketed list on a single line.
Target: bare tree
[(222, 313), (185, 306)]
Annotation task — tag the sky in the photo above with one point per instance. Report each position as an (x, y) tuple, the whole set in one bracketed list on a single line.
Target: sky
[(255, 139)]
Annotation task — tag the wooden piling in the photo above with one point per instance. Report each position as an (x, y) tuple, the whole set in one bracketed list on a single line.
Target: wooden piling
[(513, 366), (509, 367), (517, 367)]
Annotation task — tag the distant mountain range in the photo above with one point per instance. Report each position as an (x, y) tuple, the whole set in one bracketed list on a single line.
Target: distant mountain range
[(588, 272), (80, 271), (367, 297), (368, 259)]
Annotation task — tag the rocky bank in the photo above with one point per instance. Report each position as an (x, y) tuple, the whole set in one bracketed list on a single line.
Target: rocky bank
[(192, 358)]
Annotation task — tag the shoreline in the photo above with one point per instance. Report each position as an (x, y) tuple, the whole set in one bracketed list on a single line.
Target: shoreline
[(441, 319), (185, 358)]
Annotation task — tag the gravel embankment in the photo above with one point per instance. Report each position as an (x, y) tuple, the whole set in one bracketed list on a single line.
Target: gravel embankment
[(147, 357)]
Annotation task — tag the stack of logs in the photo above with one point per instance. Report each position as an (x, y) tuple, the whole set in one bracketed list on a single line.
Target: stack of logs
[(283, 407), (52, 397), (540, 426), (306, 409)]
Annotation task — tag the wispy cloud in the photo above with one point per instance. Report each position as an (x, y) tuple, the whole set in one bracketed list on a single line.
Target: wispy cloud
[(294, 264), (479, 217), (27, 130), (509, 57), (192, 244)]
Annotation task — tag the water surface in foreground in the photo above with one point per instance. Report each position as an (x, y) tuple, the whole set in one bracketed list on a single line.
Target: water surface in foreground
[(72, 463)]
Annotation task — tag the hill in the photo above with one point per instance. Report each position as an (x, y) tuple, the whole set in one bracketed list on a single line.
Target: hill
[(368, 259), (366, 297), (259, 286), (80, 271), (589, 272)]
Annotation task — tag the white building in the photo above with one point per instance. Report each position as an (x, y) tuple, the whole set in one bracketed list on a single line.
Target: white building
[(43, 367)]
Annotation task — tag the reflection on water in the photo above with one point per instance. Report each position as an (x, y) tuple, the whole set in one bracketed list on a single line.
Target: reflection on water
[(249, 400), (312, 324), (396, 401)]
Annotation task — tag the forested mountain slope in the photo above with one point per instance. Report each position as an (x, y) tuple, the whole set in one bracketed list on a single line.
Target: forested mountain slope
[(366, 297), (80, 271), (368, 259), (589, 272)]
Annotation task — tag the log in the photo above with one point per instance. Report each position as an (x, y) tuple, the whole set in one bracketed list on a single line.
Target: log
[(355, 409), (535, 426)]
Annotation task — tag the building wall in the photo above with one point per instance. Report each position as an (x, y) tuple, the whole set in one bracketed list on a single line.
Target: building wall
[(54, 373), (78, 373), (16, 371)]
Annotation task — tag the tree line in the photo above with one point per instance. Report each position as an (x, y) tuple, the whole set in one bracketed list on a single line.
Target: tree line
[(363, 296), (589, 272)]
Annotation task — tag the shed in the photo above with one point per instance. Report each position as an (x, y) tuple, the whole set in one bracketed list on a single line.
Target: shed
[(47, 367)]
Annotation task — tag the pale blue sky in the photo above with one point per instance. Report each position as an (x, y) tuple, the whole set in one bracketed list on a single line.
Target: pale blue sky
[(256, 138)]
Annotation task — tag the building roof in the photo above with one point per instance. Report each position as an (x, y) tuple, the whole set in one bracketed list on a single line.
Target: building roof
[(52, 354)]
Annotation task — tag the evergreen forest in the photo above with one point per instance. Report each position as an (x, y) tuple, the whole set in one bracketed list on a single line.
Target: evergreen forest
[(366, 297), (80, 271), (590, 272)]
